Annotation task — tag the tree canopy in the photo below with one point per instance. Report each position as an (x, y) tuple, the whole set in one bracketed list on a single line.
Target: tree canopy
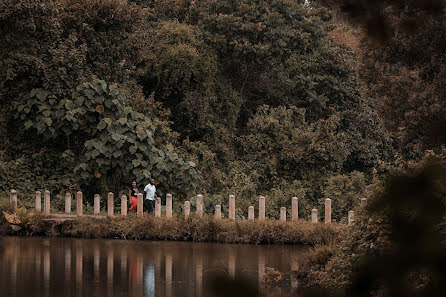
[(249, 97)]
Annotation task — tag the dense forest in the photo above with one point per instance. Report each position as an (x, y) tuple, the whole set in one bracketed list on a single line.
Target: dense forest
[(281, 98), (274, 98)]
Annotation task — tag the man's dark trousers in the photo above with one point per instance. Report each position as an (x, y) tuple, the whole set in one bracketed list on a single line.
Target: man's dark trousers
[(149, 205)]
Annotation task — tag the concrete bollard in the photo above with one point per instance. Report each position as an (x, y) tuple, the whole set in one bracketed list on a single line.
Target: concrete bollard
[(314, 215), (186, 209), (231, 207), (218, 212), (97, 204), (328, 211), (294, 209), (283, 214), (38, 201), (351, 217), (251, 213), (261, 208), (363, 202), (79, 204), (169, 206), (67, 202), (158, 207), (140, 205), (123, 205), (13, 198), (46, 203), (200, 205), (110, 204)]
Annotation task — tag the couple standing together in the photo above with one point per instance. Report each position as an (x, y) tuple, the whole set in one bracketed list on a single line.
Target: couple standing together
[(149, 196)]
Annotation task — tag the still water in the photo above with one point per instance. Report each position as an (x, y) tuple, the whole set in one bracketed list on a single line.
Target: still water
[(113, 268)]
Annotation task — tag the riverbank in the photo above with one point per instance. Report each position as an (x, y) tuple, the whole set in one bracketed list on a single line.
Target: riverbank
[(195, 229)]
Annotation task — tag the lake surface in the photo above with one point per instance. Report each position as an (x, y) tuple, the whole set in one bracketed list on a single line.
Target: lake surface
[(95, 267)]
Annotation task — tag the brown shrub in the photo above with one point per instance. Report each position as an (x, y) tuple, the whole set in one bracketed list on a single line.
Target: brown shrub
[(205, 229)]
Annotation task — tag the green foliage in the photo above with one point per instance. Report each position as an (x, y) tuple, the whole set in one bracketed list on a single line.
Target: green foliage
[(402, 62), (299, 155), (178, 58), (290, 147), (345, 192), (259, 32), (297, 110), (56, 45), (183, 73), (5, 206), (111, 138), (397, 239), (253, 93), (41, 170)]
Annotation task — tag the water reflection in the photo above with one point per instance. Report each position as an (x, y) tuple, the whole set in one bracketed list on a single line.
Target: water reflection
[(261, 269), (198, 277), (149, 279), (79, 270), (74, 267), (168, 275)]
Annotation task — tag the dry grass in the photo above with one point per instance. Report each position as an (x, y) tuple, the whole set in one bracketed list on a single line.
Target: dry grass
[(205, 230)]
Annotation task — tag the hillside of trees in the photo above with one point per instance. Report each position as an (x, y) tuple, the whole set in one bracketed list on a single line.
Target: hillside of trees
[(330, 98), (215, 97)]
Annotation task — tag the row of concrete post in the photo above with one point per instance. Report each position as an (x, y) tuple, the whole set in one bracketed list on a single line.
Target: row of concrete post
[(96, 205), (261, 217), (186, 210)]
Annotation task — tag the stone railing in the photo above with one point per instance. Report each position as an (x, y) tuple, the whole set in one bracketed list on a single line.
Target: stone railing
[(186, 210)]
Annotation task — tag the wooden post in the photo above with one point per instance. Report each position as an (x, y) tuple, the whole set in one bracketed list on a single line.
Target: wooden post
[(13, 198), (46, 203), (294, 209), (79, 203), (283, 214), (158, 207), (232, 207), (186, 209), (38, 201), (123, 205), (169, 206), (140, 205), (314, 215), (97, 204), (351, 217), (251, 213), (363, 202), (217, 212), (110, 204), (328, 211), (67, 202), (200, 205), (261, 208)]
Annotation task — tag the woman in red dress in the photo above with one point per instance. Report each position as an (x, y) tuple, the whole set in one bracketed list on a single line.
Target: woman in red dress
[(133, 193)]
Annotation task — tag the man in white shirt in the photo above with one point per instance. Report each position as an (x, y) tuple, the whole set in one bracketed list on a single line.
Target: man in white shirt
[(150, 191)]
